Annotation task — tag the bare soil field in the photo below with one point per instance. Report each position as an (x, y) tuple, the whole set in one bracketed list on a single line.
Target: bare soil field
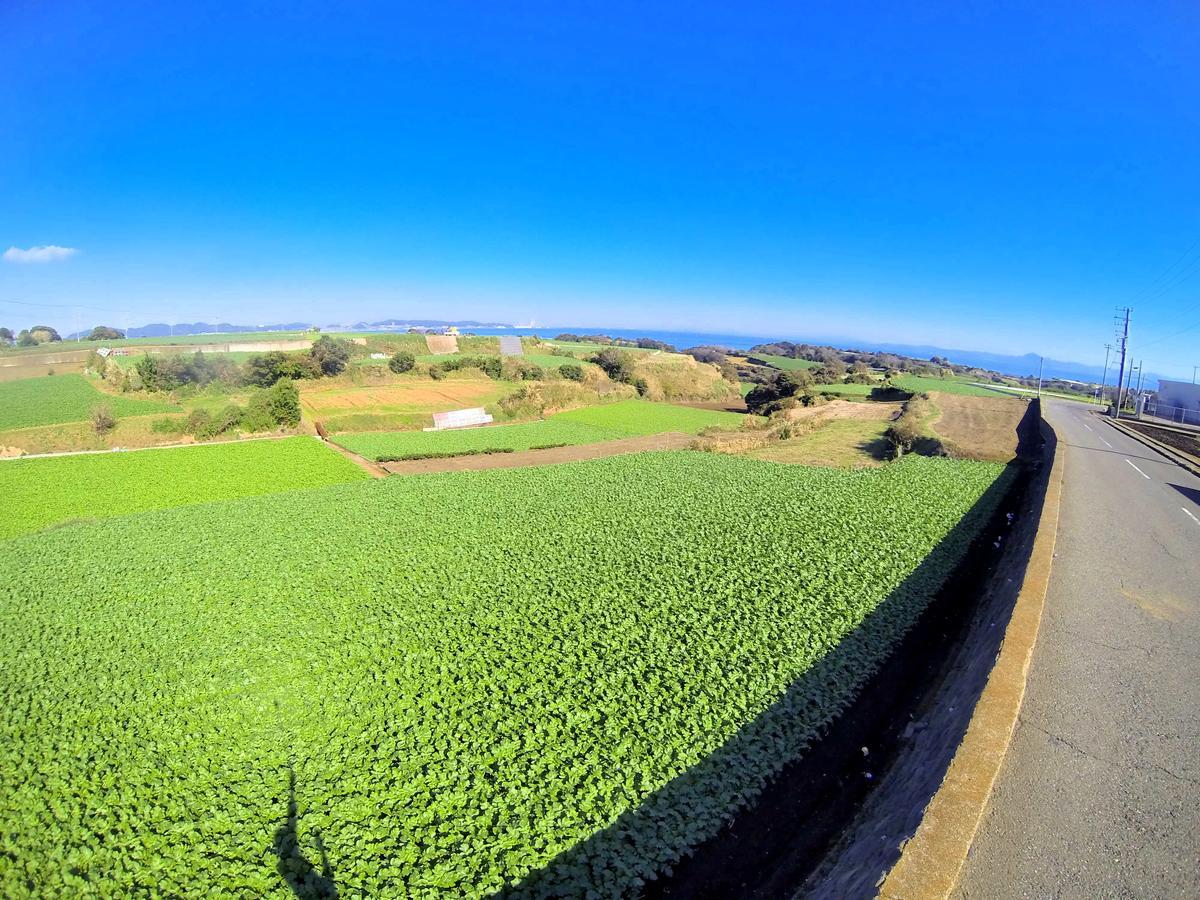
[(670, 441), (979, 427), (441, 343), (1183, 441), (417, 397)]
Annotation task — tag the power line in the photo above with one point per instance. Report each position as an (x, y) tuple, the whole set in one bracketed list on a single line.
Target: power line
[(63, 306), (1167, 273)]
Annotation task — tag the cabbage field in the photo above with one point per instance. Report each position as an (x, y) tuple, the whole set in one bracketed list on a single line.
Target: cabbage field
[(626, 418), (53, 399), (51, 490), (446, 685), (391, 445), (637, 417)]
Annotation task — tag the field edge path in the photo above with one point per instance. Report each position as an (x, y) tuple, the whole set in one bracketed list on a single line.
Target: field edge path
[(671, 440)]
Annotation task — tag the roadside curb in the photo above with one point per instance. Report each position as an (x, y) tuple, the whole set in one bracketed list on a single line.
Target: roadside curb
[(931, 861), (1169, 452)]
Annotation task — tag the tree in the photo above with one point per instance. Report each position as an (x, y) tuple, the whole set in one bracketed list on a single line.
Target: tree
[(330, 354), (615, 364), (264, 369), (402, 361), (283, 400), (44, 334), (6, 336), (147, 369), (104, 333), (766, 397)]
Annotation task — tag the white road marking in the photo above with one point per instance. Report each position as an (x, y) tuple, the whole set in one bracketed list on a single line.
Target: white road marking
[(1087, 426), (1190, 516), (1106, 443), (1139, 471)]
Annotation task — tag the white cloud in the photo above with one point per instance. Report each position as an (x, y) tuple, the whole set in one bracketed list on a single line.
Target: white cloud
[(50, 253)]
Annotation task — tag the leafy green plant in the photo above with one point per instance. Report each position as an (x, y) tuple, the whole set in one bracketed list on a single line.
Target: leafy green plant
[(42, 492), (555, 679), (63, 398)]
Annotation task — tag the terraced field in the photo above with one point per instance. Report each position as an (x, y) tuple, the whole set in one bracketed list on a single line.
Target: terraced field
[(51, 400), (924, 384), (42, 492), (627, 418), (786, 363), (553, 679), (383, 446)]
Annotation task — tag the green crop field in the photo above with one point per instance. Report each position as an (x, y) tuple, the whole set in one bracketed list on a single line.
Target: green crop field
[(783, 362), (169, 340), (924, 384), (53, 399), (385, 445), (636, 417), (586, 347), (42, 492), (549, 361), (438, 686), (626, 418), (844, 390)]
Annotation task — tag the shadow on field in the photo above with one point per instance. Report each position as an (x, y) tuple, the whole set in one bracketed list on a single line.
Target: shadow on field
[(301, 875), (879, 449), (755, 843)]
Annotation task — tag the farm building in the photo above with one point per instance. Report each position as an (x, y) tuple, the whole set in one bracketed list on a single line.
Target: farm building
[(1179, 400)]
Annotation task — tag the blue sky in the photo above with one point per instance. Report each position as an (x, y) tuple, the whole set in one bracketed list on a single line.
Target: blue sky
[(988, 176)]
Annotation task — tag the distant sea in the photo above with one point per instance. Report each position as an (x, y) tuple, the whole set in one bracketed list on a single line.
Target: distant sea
[(680, 339)]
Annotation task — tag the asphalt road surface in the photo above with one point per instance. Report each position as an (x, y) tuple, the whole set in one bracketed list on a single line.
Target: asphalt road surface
[(1100, 793)]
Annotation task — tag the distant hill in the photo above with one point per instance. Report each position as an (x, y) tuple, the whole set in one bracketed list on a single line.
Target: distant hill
[(1012, 365)]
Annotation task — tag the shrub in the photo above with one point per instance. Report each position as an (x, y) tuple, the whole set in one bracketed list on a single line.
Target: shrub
[(571, 372), (402, 361), (888, 392), (198, 422), (168, 426), (227, 419), (103, 420)]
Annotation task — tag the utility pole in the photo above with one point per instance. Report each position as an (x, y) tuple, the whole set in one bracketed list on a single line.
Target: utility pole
[(1141, 372), (1123, 337), (1041, 363), (1194, 368), (1104, 380)]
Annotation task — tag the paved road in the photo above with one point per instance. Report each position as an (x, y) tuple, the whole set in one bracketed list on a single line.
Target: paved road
[(1100, 793)]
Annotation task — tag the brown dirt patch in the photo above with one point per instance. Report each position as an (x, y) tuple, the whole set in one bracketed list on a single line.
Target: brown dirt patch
[(441, 343), (670, 441), (844, 409), (979, 427), (1184, 441), (431, 396)]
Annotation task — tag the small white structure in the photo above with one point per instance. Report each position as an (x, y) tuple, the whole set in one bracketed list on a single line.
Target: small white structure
[(460, 418), (379, 356)]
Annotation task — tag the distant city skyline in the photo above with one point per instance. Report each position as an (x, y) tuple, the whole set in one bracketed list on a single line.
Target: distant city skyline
[(992, 178)]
